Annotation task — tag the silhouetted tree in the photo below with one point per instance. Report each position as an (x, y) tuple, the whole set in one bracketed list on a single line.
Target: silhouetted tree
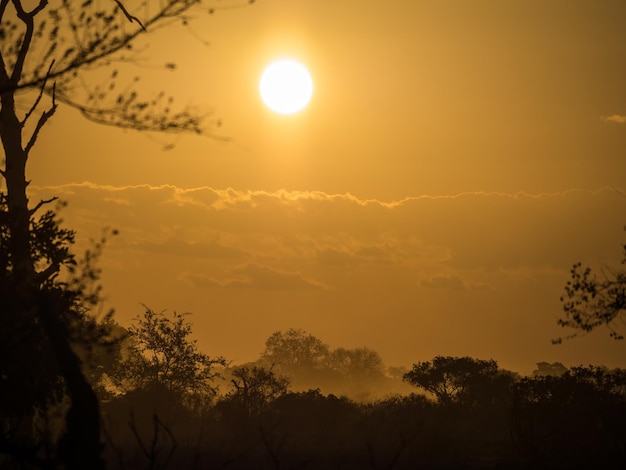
[(43, 323), (453, 379), (163, 356), (295, 349), (571, 420), (590, 302), (357, 364), (357, 372), (550, 368), (255, 388), (50, 49)]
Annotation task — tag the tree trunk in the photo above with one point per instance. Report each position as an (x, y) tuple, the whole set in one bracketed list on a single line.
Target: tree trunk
[(80, 445), (23, 269)]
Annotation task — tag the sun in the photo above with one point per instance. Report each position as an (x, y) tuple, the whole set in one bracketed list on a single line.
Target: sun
[(286, 86)]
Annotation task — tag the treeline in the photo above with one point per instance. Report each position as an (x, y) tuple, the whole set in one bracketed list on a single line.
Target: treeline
[(165, 404)]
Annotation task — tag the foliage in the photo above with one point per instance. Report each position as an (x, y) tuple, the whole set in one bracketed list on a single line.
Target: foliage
[(358, 373), (569, 419), (295, 349), (164, 356), (358, 363), (590, 302), (576, 420), (25, 353), (56, 48), (38, 367), (254, 388), (547, 368), (454, 379)]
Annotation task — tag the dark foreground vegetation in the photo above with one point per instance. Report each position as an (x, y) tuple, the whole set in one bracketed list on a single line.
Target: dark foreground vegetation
[(164, 404), (477, 417), (576, 420)]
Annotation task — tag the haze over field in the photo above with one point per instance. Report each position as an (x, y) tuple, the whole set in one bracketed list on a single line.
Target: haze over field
[(456, 159)]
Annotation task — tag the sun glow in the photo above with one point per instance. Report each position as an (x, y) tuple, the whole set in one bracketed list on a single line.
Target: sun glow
[(286, 86)]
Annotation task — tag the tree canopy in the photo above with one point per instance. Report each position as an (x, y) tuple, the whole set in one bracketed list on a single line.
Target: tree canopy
[(163, 355), (453, 379), (295, 349)]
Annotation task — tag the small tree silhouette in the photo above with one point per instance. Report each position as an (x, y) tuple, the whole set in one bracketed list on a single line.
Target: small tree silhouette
[(163, 356), (294, 349), (254, 388)]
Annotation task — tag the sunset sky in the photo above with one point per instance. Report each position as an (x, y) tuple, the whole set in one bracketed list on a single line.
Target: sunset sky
[(456, 159)]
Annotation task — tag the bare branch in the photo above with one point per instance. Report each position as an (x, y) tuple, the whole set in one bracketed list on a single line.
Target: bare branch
[(73, 26), (130, 17), (41, 203), (42, 121), (106, 46), (44, 275), (41, 90), (133, 427), (3, 7), (129, 112), (28, 20)]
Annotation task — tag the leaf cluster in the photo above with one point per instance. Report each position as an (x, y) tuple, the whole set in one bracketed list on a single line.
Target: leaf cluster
[(590, 301)]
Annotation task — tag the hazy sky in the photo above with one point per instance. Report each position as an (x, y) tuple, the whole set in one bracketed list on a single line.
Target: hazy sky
[(456, 159)]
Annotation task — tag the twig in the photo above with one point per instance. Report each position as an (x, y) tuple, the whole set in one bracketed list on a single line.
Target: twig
[(169, 433), (130, 17), (41, 203), (42, 121), (115, 448), (41, 90)]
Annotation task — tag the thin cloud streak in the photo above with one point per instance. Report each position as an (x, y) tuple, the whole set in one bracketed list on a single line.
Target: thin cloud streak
[(229, 197), (254, 276), (615, 118)]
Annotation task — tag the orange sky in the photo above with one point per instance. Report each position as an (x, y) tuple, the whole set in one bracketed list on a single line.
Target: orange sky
[(456, 159)]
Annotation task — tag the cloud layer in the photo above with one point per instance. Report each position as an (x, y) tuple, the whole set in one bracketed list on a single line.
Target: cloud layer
[(319, 261)]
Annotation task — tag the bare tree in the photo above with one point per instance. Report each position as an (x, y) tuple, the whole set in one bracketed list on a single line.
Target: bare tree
[(48, 51)]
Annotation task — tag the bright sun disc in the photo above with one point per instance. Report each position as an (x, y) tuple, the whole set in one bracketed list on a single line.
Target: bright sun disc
[(286, 86)]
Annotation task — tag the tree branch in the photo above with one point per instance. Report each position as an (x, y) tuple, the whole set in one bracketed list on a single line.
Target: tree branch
[(41, 203), (48, 272), (4, 76), (84, 59), (42, 121), (28, 20), (130, 17), (41, 90), (3, 7)]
